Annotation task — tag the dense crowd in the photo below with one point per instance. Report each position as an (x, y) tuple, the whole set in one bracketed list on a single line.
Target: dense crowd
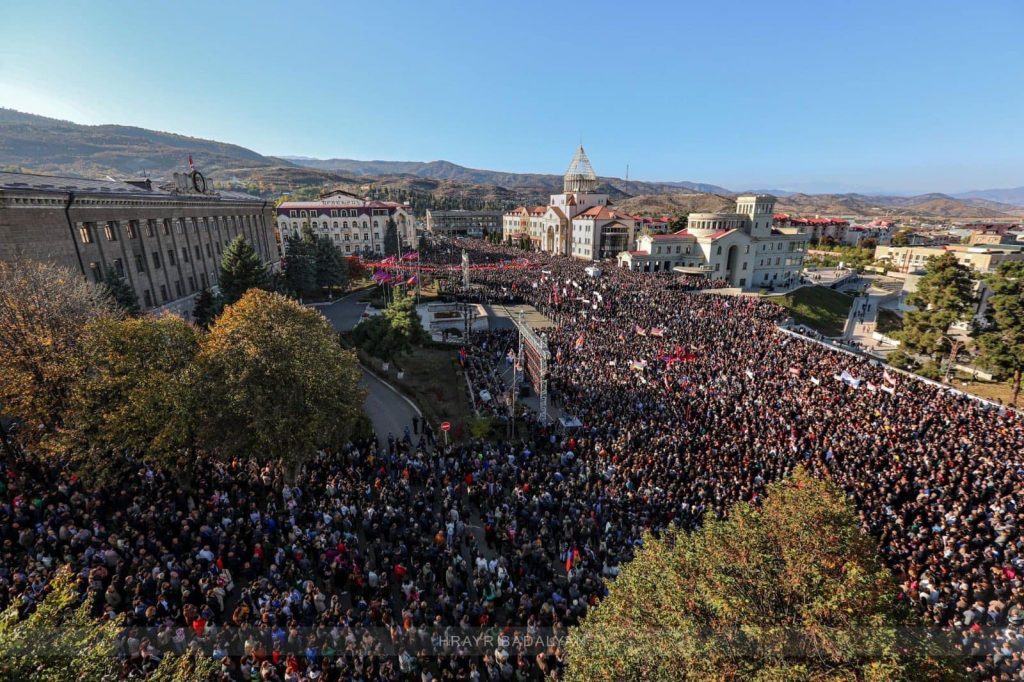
[(388, 560)]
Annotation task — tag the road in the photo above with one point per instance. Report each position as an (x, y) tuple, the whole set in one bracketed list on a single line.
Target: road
[(389, 411)]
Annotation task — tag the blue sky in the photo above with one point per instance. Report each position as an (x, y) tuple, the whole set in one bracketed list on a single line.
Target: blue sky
[(820, 95)]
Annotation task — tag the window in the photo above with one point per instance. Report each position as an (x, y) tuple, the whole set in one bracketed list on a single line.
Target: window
[(209, 251), (167, 228), (156, 260), (291, 214), (110, 231), (184, 254), (133, 229), (177, 288), (202, 278), (163, 293), (179, 227), (140, 263), (85, 233), (719, 251), (199, 253), (191, 283), (119, 267), (97, 275), (195, 226), (170, 257), (150, 228), (148, 298)]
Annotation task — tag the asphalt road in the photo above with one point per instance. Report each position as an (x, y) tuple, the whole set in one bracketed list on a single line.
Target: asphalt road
[(389, 411)]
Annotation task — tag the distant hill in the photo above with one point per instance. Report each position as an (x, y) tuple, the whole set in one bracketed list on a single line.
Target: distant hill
[(48, 145), (1014, 196)]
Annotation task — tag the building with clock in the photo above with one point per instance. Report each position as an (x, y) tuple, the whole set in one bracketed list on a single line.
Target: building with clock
[(165, 240)]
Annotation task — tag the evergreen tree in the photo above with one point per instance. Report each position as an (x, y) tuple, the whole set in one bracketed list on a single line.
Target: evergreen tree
[(943, 296), (398, 330), (205, 307), (121, 292), (793, 590), (241, 270), (391, 245), (1001, 339), (300, 265), (331, 266)]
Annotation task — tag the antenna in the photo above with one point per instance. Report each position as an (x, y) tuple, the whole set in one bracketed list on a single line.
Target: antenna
[(627, 171)]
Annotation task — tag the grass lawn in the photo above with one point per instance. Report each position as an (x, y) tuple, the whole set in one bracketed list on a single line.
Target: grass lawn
[(819, 308), (990, 390), (435, 382)]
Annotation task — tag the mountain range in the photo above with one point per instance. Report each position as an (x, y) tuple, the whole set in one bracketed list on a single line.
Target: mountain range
[(45, 145)]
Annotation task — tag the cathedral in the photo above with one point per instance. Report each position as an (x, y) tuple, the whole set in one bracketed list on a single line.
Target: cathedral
[(580, 222)]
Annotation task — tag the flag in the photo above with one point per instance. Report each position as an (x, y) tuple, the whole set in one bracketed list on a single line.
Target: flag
[(872, 387), (462, 356), (748, 373), (412, 255), (412, 280), (640, 330), (190, 166), (638, 364), (657, 331), (849, 379), (579, 342), (794, 370), (815, 381), (889, 378)]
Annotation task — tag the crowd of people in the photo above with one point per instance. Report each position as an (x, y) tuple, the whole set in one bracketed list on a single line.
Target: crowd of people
[(394, 559)]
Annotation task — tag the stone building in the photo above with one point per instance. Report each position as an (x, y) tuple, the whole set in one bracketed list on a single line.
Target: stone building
[(580, 222), (743, 248), (460, 223), (166, 241), (356, 225)]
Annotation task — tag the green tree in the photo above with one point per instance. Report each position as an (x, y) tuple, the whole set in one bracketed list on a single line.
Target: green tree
[(276, 383), (300, 265), (331, 266), (943, 296), (205, 307), (241, 270), (397, 330), (1001, 338), (120, 291), (60, 642), (134, 395), (391, 244), (43, 310), (791, 591), (901, 238)]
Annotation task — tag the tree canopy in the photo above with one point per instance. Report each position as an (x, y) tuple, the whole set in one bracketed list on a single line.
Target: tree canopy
[(1001, 338), (789, 591), (277, 384), (121, 292), (241, 270), (134, 394), (391, 242), (43, 310), (397, 330), (944, 295), (205, 307)]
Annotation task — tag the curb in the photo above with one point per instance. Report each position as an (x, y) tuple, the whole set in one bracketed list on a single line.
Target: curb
[(394, 390)]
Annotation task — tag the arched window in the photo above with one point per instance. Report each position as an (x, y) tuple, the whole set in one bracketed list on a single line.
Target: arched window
[(719, 252), (344, 224)]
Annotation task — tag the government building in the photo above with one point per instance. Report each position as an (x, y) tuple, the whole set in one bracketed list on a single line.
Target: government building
[(460, 223), (356, 225), (744, 248), (580, 222), (166, 241)]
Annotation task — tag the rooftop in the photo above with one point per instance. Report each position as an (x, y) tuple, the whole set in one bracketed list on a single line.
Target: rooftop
[(34, 182)]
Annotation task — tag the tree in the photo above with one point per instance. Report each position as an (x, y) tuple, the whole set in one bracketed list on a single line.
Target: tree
[(791, 591), (356, 269), (43, 310), (331, 266), (60, 642), (276, 383), (900, 238), (397, 330), (120, 291), (391, 244), (240, 270), (300, 265), (943, 296), (1001, 338), (134, 395), (205, 307)]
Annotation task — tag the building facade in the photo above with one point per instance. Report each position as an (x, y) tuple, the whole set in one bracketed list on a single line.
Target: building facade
[(165, 241), (356, 225), (579, 222), (744, 248), (982, 258), (461, 223)]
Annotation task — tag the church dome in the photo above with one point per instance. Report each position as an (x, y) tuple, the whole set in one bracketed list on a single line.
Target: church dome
[(580, 177)]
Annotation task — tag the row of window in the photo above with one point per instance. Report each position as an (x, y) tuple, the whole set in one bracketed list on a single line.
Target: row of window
[(335, 213), (87, 231), (147, 296)]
